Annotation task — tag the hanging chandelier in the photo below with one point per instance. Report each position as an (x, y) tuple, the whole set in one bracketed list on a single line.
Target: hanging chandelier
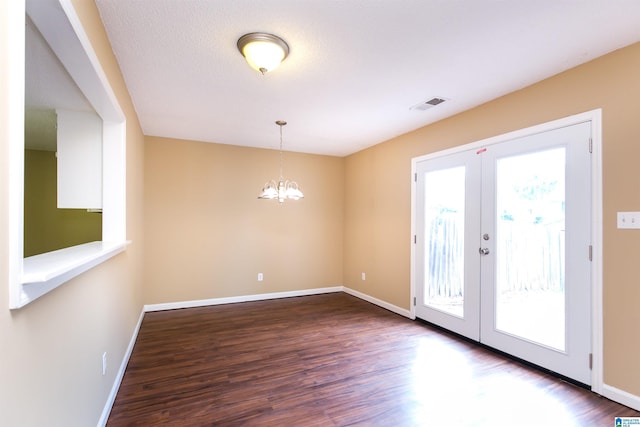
[(282, 189)]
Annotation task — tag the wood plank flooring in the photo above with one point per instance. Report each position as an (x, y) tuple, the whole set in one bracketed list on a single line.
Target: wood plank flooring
[(333, 360)]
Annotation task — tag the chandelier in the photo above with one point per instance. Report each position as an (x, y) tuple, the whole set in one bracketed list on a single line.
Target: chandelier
[(282, 189)]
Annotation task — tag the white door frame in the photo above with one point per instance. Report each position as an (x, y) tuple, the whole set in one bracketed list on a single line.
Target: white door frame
[(595, 117)]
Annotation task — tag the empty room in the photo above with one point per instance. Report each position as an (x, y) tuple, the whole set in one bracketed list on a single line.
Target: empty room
[(327, 213)]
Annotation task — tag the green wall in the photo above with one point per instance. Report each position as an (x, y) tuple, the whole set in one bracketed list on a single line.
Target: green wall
[(47, 228)]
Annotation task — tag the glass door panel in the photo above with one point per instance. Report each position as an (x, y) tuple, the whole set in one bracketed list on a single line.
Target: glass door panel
[(530, 262), (444, 246)]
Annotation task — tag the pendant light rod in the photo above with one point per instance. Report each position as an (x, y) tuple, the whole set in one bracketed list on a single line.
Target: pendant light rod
[(281, 123)]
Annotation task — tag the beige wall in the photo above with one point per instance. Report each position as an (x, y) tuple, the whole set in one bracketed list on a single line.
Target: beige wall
[(208, 236), (378, 186), (51, 350)]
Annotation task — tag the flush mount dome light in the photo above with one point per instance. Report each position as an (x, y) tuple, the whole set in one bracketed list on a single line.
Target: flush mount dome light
[(264, 52)]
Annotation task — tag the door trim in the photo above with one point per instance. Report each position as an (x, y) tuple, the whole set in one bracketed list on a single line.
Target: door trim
[(595, 118)]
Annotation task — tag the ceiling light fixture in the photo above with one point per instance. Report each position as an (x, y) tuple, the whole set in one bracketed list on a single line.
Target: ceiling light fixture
[(283, 189), (264, 52)]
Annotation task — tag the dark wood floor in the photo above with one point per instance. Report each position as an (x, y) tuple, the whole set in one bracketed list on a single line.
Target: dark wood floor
[(333, 360)]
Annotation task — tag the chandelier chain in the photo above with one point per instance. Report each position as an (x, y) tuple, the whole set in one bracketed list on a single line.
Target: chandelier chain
[(281, 123)]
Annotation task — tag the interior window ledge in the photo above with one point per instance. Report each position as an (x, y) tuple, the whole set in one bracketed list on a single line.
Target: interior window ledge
[(45, 272)]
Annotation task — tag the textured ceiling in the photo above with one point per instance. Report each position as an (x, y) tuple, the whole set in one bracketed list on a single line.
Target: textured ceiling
[(355, 66)]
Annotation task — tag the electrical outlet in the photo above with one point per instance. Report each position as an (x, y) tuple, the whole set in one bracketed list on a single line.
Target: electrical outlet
[(628, 220), (364, 276), (104, 363), (260, 277)]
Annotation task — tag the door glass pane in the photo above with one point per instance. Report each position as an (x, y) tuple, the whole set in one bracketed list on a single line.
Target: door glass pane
[(444, 243), (530, 262)]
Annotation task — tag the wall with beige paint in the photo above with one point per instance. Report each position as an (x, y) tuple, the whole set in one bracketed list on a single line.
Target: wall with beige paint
[(208, 236), (205, 240), (51, 350), (378, 192)]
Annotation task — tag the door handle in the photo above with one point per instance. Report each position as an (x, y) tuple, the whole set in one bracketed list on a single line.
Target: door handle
[(484, 251)]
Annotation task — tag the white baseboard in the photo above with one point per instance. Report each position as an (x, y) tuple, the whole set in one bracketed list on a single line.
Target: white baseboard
[(378, 302), (621, 396), (120, 374), (243, 298), (261, 297)]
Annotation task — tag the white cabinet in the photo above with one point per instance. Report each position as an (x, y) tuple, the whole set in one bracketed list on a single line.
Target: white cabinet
[(79, 153)]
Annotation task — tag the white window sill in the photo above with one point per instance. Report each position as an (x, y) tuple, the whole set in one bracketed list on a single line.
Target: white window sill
[(45, 272)]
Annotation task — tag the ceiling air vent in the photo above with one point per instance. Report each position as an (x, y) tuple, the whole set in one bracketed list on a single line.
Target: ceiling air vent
[(428, 104)]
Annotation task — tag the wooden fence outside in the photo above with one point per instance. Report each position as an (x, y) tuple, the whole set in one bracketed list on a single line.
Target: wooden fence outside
[(530, 256)]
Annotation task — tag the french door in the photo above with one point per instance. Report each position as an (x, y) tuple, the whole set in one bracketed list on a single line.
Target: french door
[(503, 243)]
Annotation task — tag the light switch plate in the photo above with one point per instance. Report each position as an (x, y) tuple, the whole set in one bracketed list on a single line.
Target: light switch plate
[(628, 220)]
